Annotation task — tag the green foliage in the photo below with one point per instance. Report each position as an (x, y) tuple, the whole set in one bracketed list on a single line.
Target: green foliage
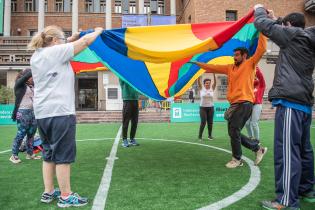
[(6, 95)]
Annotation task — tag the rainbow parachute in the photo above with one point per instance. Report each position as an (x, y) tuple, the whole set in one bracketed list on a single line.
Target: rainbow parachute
[(154, 59)]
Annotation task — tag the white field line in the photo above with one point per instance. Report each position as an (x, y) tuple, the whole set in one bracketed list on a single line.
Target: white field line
[(102, 192)]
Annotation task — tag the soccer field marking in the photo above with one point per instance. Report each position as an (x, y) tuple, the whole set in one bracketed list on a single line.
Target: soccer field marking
[(5, 151), (101, 195), (250, 186), (102, 192), (81, 140)]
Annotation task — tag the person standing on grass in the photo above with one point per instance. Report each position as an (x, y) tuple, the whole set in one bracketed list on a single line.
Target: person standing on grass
[(54, 107), (130, 112), (252, 125), (292, 95), (240, 94), (206, 105), (23, 114)]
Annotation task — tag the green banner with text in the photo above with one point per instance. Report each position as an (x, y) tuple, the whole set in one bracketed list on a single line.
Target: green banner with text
[(189, 112), (5, 114)]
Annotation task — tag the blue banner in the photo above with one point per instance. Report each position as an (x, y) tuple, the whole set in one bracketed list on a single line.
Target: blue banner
[(134, 20), (162, 20)]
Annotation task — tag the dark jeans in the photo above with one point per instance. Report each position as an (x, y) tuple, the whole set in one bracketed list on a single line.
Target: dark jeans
[(236, 122), (206, 116), (293, 155), (130, 113)]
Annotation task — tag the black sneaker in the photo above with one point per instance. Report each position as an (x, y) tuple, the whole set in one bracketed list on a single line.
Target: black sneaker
[(48, 198)]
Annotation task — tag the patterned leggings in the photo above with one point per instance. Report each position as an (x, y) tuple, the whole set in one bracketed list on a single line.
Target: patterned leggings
[(26, 125)]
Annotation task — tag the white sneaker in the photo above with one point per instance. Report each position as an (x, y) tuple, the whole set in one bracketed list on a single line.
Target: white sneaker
[(260, 154), (15, 159), (33, 157), (234, 163)]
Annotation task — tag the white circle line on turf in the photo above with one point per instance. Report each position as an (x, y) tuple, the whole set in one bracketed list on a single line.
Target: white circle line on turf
[(253, 182), (81, 140), (5, 151), (102, 192), (250, 186)]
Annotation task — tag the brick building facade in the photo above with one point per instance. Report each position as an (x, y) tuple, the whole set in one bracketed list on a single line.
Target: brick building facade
[(98, 86)]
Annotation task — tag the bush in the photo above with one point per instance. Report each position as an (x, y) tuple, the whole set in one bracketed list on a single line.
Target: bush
[(6, 95)]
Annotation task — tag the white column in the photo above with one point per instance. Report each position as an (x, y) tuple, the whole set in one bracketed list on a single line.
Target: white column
[(41, 16), (7, 18), (173, 7), (108, 16), (75, 15), (141, 7)]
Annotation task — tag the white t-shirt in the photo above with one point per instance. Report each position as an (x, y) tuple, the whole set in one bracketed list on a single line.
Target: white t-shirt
[(53, 81), (206, 97)]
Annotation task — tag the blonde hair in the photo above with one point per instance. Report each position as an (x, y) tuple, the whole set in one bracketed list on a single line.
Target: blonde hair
[(44, 38)]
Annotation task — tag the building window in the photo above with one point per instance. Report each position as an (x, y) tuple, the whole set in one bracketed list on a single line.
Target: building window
[(59, 6), (132, 7), (231, 15), (29, 6), (89, 6), (117, 6), (13, 6), (46, 6), (146, 8), (160, 7), (103, 6), (112, 93), (189, 19)]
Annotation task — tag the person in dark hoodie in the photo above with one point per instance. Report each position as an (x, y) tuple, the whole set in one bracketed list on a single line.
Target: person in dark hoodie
[(292, 95), (23, 114)]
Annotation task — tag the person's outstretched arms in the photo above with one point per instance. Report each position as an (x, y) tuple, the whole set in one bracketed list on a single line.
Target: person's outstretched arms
[(212, 68), (80, 44), (214, 82), (260, 50), (271, 26)]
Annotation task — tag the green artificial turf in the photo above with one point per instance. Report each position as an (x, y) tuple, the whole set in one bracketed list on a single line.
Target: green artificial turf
[(155, 175)]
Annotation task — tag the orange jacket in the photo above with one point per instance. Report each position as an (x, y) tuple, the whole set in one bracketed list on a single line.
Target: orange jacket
[(241, 78)]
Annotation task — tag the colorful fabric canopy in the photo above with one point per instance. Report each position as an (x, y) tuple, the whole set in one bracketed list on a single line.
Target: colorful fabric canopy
[(153, 59)]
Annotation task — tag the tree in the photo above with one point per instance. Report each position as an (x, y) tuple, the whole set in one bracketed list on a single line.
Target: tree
[(6, 95)]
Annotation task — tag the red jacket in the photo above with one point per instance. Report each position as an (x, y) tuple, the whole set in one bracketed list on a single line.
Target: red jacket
[(259, 86)]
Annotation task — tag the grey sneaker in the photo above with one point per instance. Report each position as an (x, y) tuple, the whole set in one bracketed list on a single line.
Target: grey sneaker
[(133, 142), (260, 154), (125, 143), (274, 205), (234, 163), (210, 138)]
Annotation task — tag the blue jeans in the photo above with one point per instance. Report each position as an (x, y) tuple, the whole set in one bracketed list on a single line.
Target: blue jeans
[(26, 125)]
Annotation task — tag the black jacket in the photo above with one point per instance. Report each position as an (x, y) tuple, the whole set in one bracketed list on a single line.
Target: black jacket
[(294, 68), (19, 92)]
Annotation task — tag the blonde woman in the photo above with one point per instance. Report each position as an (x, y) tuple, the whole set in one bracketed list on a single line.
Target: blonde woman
[(54, 108)]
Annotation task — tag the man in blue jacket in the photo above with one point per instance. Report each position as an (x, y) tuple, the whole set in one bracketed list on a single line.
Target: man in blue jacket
[(292, 95)]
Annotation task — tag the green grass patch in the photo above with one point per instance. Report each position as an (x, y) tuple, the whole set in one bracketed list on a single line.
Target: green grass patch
[(155, 175)]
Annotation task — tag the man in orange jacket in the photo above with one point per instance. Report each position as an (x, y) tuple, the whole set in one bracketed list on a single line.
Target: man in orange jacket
[(240, 94)]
